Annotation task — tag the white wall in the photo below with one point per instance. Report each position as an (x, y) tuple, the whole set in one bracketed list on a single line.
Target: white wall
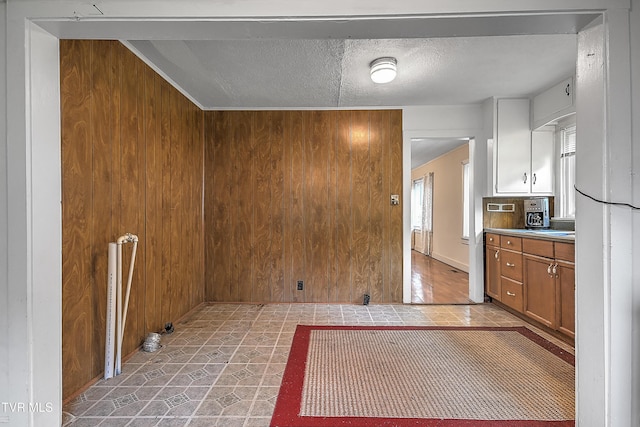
[(606, 270), (44, 162), (33, 254), (590, 294), (635, 236), (24, 208), (4, 288), (448, 245), (18, 284), (441, 120)]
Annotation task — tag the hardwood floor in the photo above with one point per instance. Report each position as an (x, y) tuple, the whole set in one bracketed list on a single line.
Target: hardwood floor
[(434, 282)]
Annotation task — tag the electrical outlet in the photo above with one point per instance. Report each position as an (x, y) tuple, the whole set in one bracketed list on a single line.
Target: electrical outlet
[(300, 285)]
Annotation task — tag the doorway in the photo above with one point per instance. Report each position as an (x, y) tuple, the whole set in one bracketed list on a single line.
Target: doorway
[(439, 213)]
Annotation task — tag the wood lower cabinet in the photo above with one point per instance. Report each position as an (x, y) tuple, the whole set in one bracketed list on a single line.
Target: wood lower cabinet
[(535, 277), (550, 292), (503, 264), (492, 271), (540, 290), (511, 265), (566, 302), (512, 293)]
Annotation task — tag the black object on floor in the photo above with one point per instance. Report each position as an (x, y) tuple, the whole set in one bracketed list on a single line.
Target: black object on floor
[(168, 328)]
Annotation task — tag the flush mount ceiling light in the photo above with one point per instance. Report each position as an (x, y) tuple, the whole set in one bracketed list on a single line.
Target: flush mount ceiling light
[(383, 70)]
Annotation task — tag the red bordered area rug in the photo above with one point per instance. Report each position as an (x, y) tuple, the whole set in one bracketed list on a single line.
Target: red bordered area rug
[(425, 376)]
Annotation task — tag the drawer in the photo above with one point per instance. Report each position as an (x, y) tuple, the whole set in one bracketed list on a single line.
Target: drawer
[(565, 251), (538, 247), (512, 294), (491, 239), (511, 243), (511, 265)]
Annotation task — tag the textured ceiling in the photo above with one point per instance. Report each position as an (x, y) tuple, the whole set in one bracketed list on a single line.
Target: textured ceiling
[(329, 73)]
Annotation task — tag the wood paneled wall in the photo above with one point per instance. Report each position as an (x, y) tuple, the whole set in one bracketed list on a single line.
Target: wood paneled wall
[(132, 153), (303, 195)]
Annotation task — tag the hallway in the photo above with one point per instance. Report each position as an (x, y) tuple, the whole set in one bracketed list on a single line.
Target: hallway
[(434, 282)]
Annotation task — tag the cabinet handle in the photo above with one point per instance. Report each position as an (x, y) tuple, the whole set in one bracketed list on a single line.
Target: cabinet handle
[(549, 270), (567, 89), (496, 255), (524, 178), (534, 179), (509, 242), (491, 239), (555, 269), (511, 294), (510, 265)]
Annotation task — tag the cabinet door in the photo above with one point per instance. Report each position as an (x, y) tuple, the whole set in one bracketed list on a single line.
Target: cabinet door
[(492, 272), (513, 148), (542, 162), (565, 277), (540, 290), (553, 103)]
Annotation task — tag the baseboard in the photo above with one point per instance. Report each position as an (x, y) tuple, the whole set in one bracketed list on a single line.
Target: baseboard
[(451, 262)]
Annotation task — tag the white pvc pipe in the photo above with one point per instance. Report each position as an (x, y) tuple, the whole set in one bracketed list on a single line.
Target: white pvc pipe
[(109, 346), (129, 279), (118, 367)]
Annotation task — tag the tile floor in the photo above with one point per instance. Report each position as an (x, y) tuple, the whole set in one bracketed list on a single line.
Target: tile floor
[(223, 364)]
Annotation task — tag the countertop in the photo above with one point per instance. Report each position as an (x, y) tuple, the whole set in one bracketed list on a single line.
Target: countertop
[(555, 235)]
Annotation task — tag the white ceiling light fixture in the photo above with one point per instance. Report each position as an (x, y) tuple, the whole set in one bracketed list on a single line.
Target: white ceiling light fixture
[(383, 70)]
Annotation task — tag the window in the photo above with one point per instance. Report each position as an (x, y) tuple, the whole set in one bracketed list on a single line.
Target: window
[(568, 172), (465, 200), (417, 196)]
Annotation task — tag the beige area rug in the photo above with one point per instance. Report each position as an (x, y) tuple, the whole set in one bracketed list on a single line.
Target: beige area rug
[(425, 376)]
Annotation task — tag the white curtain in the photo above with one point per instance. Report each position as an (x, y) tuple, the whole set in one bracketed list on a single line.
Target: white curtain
[(417, 197), (427, 215)]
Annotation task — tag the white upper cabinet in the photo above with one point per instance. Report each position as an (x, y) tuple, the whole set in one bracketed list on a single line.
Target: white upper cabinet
[(523, 160), (542, 150), (553, 103), (513, 146)]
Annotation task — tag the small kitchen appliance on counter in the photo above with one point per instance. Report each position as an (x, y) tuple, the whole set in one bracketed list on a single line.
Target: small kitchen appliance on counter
[(536, 212)]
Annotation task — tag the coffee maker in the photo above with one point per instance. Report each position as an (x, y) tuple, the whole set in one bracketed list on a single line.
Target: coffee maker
[(536, 212)]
